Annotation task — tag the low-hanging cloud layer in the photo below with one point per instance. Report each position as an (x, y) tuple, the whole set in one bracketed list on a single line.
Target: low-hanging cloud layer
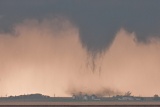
[(98, 20), (48, 57)]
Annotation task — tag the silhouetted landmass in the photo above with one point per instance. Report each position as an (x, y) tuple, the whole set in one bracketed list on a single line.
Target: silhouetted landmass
[(35, 97), (77, 98), (29, 97)]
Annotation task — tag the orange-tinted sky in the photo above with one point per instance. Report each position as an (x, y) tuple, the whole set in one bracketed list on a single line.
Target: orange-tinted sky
[(48, 57)]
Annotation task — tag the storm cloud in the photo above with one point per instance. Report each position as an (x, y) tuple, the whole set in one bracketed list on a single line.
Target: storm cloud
[(98, 21)]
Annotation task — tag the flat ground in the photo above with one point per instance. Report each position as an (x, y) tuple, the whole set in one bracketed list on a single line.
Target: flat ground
[(81, 103)]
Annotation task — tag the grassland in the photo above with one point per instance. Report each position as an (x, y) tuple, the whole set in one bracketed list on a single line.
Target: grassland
[(82, 103)]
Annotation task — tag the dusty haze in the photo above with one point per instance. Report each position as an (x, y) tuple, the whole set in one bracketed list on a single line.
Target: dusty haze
[(47, 57)]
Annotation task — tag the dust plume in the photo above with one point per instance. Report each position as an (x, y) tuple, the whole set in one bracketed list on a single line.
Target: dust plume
[(48, 57), (102, 91)]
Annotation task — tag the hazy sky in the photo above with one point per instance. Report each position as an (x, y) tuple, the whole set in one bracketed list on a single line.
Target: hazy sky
[(67, 46)]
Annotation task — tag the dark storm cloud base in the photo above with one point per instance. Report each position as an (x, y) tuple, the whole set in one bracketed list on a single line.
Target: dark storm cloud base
[(98, 21)]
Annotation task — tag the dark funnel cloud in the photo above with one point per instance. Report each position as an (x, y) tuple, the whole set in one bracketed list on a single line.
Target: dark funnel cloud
[(97, 20)]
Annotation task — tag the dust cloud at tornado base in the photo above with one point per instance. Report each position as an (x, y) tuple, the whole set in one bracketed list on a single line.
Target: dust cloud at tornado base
[(47, 57)]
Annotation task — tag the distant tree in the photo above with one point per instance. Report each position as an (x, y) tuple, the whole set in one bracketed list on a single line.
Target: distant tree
[(128, 93), (156, 95)]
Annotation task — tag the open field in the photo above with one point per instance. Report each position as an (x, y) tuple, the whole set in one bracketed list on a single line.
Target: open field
[(121, 103)]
